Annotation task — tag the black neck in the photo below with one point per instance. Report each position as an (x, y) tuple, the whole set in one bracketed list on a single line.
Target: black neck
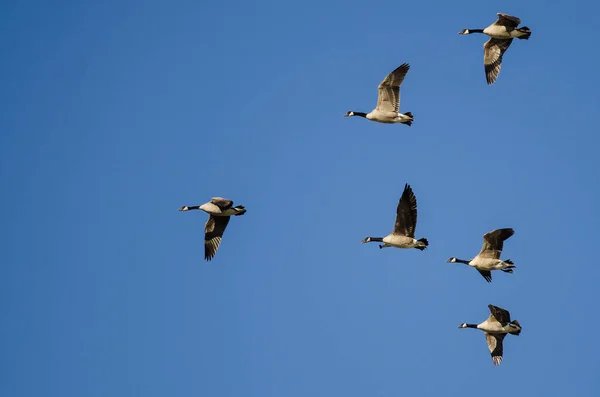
[(475, 30), (378, 239), (193, 207), (361, 114), (471, 325), (462, 261)]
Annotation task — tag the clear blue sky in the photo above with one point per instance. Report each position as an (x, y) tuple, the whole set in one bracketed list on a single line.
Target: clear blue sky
[(115, 114)]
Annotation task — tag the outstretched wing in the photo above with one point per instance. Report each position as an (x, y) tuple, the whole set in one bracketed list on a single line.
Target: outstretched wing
[(507, 20), (493, 50), (406, 213), (388, 96), (222, 203), (494, 342), (501, 315), (493, 242), (486, 274), (213, 233)]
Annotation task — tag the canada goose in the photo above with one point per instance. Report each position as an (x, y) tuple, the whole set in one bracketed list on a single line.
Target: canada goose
[(220, 209), (502, 33), (488, 258), (388, 100), (403, 235), (496, 327)]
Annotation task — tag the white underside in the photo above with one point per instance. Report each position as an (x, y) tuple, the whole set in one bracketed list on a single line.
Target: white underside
[(398, 241), (488, 264), (387, 117), (493, 327), (216, 211), (500, 32)]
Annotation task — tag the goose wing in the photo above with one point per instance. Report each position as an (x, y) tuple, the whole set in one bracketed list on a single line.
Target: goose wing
[(507, 20), (493, 50), (213, 233), (222, 203), (494, 342), (501, 315), (406, 213), (493, 242), (486, 274), (388, 97)]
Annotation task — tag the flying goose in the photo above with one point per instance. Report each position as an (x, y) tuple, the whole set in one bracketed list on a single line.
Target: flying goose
[(496, 327), (488, 258), (220, 209), (388, 100), (403, 235), (502, 33)]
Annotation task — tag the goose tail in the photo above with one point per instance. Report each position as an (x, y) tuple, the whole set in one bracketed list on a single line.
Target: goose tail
[(509, 266), (526, 33), (240, 210), (519, 325), (423, 243)]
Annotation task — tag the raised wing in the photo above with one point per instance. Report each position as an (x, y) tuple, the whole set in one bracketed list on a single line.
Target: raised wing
[(406, 213), (493, 242), (494, 342), (213, 233), (388, 97), (222, 203), (501, 315), (507, 20), (493, 50)]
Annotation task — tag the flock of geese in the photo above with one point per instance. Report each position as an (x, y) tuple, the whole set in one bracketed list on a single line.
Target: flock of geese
[(498, 324)]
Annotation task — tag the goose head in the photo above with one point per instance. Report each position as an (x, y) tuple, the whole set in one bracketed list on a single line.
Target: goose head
[(350, 113), (184, 208), (452, 260), (464, 31)]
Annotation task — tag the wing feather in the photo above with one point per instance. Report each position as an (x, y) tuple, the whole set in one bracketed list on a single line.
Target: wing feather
[(388, 96), (222, 203), (213, 233), (507, 20), (493, 242), (501, 315), (494, 342), (406, 213), (493, 51), (486, 274)]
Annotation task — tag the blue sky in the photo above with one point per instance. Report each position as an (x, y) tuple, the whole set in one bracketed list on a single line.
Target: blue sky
[(115, 114)]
